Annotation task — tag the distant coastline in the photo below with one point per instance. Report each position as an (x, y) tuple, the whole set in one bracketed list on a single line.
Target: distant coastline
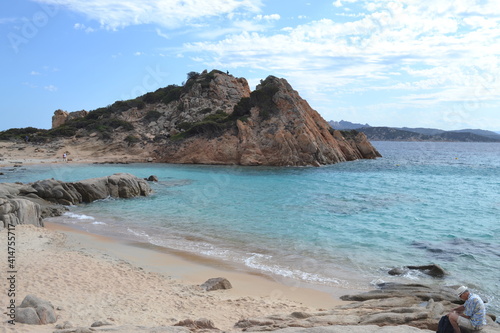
[(384, 133)]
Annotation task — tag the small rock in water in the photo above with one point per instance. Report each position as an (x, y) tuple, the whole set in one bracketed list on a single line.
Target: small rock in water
[(152, 178)]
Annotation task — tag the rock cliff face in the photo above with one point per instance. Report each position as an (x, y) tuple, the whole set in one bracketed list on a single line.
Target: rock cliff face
[(216, 119), (270, 126)]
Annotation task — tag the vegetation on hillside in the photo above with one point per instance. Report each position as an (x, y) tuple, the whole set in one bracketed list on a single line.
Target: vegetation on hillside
[(106, 120), (217, 123)]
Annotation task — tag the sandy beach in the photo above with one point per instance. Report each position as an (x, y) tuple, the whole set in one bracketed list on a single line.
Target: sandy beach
[(85, 150), (90, 278)]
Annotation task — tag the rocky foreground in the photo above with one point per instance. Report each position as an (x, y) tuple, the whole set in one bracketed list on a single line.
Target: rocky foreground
[(396, 308)]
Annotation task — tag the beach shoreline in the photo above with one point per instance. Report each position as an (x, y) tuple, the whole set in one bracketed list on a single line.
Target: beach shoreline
[(91, 278), (194, 269)]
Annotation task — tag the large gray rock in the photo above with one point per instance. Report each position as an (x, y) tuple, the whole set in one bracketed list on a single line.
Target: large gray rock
[(431, 270), (120, 185), (394, 290), (35, 311), (57, 191), (19, 211), (29, 203), (27, 316)]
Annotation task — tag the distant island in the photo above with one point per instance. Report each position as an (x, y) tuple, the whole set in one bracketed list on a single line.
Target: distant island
[(417, 134)]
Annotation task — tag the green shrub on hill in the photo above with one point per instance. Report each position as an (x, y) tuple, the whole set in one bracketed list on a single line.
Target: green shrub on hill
[(242, 108), (131, 139), (19, 133), (212, 125), (162, 95), (152, 116), (99, 113), (263, 98), (349, 134)]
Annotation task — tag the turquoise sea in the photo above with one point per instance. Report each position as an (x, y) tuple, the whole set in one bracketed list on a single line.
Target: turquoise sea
[(340, 226)]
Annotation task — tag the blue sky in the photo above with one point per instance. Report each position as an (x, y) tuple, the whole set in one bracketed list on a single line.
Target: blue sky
[(414, 63)]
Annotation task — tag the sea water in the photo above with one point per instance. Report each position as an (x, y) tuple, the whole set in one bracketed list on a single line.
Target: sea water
[(340, 226)]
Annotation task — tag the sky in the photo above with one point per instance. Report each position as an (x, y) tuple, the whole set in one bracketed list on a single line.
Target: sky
[(405, 63)]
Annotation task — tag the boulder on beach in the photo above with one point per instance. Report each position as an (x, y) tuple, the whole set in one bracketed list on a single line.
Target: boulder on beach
[(216, 284), (35, 311), (19, 211)]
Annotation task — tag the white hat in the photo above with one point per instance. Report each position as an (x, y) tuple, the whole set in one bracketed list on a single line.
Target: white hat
[(461, 290)]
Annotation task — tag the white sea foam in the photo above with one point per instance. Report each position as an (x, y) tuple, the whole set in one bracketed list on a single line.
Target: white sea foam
[(141, 235), (255, 261), (78, 216)]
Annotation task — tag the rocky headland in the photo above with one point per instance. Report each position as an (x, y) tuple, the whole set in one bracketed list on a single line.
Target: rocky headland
[(214, 118)]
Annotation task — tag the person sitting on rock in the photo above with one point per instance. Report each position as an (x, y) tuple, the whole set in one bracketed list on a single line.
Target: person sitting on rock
[(471, 315)]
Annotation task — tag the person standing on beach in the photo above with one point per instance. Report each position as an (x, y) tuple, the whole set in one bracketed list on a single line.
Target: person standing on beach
[(471, 315), (65, 157)]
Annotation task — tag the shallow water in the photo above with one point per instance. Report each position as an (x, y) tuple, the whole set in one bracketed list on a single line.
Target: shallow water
[(343, 225)]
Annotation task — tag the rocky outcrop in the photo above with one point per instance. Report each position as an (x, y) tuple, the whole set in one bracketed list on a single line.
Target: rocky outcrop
[(60, 117), (30, 203), (19, 211), (214, 118), (120, 185), (397, 307), (77, 115), (273, 126)]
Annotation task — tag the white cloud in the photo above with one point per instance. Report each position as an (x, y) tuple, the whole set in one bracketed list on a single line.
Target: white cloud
[(51, 88), (79, 26), (35, 73), (113, 14), (339, 3), (273, 17), (162, 34), (449, 48)]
